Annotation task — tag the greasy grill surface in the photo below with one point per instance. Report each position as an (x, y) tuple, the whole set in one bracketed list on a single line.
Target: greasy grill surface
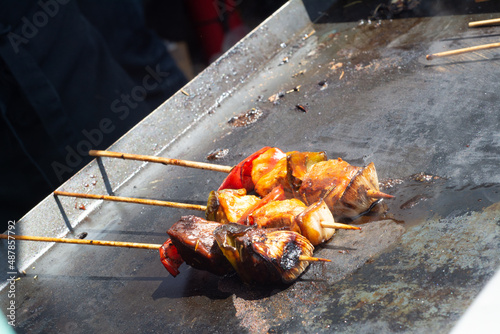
[(369, 95)]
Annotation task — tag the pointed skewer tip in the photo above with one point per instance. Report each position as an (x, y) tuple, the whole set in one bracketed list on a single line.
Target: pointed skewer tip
[(378, 194), (313, 259), (339, 226)]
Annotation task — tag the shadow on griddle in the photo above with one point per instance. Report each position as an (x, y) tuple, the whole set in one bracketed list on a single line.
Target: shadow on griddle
[(63, 214), (105, 177), (333, 11), (190, 283), (195, 282)]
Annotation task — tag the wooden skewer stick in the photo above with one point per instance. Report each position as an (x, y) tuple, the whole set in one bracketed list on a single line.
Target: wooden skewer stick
[(134, 200), (340, 226), (113, 244), (165, 161), (312, 259), (483, 23), (83, 241), (169, 204), (186, 163), (464, 50)]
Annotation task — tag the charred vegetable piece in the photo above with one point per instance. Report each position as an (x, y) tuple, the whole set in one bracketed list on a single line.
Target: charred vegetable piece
[(194, 241), (323, 177), (229, 205), (170, 258), (225, 236), (277, 194), (299, 163), (360, 195), (274, 178), (313, 222), (263, 256), (278, 214), (241, 175), (265, 162), (212, 206), (347, 190)]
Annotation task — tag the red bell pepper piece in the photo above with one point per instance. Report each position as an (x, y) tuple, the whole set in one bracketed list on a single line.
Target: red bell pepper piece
[(170, 258), (241, 174)]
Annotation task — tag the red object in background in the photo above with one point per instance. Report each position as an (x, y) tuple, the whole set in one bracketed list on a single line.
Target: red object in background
[(214, 21)]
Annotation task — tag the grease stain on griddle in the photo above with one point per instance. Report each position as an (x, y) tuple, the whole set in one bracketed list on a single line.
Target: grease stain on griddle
[(422, 196), (389, 183), (248, 117), (413, 201), (422, 276), (423, 177)]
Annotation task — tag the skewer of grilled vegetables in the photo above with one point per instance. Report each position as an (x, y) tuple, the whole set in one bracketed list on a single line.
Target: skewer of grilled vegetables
[(307, 176), (258, 255), (349, 191), (315, 221)]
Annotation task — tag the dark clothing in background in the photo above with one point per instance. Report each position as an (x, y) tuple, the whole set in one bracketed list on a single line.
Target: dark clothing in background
[(74, 76)]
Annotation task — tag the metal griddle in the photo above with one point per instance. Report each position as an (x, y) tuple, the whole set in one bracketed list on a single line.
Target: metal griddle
[(433, 128)]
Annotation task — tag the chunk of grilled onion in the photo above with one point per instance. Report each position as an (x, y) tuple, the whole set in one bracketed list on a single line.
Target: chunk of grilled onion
[(299, 163), (360, 194), (349, 191), (228, 205), (277, 214), (313, 221), (263, 256)]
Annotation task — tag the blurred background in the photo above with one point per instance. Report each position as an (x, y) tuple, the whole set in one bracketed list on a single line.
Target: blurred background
[(197, 32)]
